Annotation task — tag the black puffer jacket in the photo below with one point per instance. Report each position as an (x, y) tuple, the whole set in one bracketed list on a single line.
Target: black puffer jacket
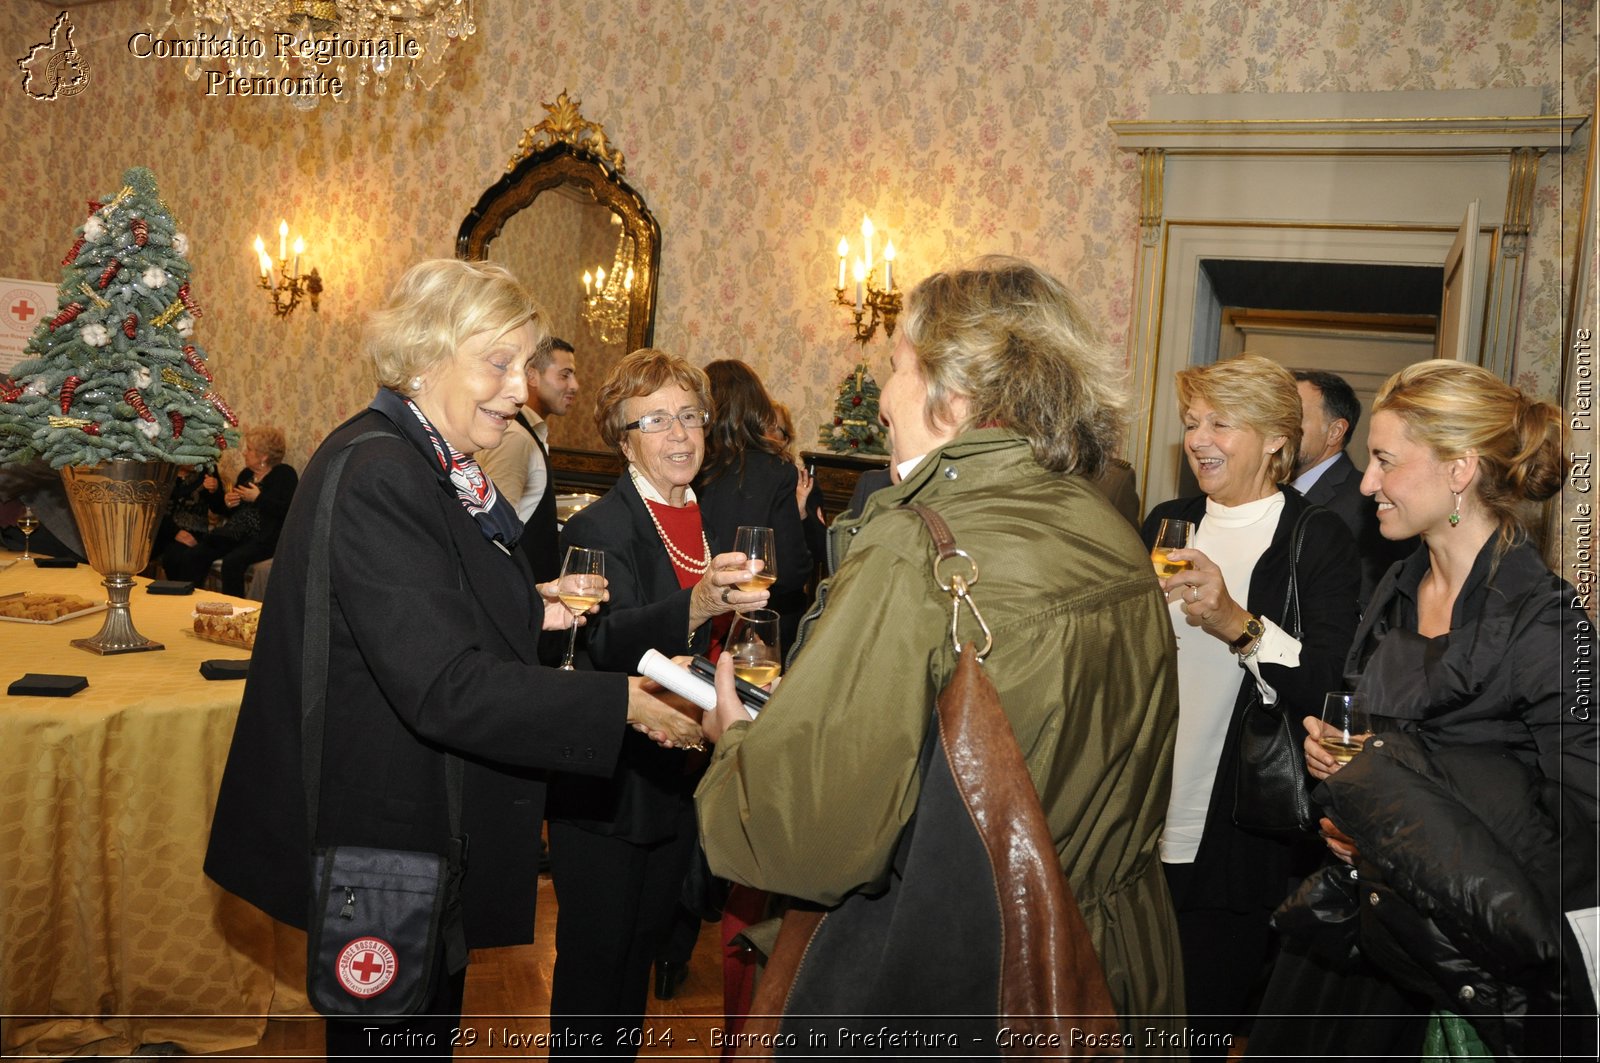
[(1458, 893), (1474, 810)]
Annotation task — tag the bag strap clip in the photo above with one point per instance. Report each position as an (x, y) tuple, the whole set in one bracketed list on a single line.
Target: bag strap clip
[(957, 586)]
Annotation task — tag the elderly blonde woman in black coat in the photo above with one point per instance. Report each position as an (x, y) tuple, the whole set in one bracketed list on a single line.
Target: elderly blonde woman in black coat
[(432, 644)]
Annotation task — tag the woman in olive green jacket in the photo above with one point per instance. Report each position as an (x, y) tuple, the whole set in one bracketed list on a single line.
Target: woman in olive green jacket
[(810, 799)]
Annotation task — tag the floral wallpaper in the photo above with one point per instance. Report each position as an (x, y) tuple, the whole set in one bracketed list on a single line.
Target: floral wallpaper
[(759, 131)]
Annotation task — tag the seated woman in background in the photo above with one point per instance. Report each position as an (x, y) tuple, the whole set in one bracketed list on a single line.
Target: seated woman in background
[(188, 509), (1469, 821), (620, 845), (1002, 407), (253, 509), (1241, 423), (747, 482)]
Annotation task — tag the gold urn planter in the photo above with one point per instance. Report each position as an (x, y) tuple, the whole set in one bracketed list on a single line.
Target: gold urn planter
[(118, 507)]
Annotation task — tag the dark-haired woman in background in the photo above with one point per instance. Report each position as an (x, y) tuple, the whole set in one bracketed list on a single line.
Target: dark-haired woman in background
[(746, 481), (808, 500), (1468, 822)]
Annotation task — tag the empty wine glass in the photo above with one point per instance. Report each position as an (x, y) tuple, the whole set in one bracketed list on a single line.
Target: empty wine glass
[(580, 588), (753, 645), (26, 523), (757, 545)]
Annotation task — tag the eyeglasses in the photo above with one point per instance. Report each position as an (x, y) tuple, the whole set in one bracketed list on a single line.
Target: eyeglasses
[(661, 421)]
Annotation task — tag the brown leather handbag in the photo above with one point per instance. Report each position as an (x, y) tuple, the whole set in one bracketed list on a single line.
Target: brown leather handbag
[(977, 947)]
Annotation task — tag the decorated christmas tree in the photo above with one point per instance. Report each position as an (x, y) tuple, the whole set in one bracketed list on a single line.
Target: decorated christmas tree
[(855, 428), (113, 374)]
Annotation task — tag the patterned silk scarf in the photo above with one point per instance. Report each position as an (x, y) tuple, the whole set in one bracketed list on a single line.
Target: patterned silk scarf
[(496, 516)]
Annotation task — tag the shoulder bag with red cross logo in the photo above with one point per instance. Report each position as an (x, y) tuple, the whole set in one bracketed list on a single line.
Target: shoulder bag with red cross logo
[(379, 918)]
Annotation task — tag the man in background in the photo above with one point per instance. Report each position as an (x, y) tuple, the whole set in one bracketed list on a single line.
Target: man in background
[(1327, 477), (520, 464)]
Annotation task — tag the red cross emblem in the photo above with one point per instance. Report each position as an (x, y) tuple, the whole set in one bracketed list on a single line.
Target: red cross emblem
[(21, 307), (366, 967)]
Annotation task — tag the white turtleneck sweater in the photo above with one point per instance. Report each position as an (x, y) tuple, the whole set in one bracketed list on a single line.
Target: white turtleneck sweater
[(1234, 538)]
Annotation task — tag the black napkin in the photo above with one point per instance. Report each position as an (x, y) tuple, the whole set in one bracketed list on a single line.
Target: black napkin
[(170, 586), (224, 668), (55, 562), (37, 684)]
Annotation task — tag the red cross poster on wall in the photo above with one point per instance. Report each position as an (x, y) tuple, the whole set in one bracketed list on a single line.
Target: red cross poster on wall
[(23, 304)]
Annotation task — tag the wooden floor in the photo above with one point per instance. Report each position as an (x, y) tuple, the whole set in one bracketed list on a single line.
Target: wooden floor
[(508, 1000)]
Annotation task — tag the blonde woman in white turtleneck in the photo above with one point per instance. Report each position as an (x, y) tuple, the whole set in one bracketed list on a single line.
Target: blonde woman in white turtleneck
[(1241, 421)]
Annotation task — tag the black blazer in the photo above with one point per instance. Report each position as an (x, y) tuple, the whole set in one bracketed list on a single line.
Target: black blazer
[(1338, 490), (868, 482), (432, 647), (643, 799), (762, 494), (1235, 869)]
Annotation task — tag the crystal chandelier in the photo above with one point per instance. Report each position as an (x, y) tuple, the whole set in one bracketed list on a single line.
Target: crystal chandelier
[(608, 295), (363, 43)]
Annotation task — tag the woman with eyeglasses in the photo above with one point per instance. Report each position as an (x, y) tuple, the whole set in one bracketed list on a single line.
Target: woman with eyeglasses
[(620, 847)]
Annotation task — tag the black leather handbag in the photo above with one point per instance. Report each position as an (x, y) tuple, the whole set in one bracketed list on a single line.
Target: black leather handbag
[(378, 918), (978, 930), (1271, 794)]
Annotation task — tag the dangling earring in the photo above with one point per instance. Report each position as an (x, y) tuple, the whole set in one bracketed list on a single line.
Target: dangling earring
[(416, 383), (1455, 515)]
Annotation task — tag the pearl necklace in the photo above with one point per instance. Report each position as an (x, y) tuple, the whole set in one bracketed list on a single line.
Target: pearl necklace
[(692, 565)]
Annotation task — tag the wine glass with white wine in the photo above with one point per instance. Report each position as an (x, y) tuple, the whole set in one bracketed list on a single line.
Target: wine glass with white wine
[(26, 523), (1345, 725), (581, 586), (757, 545), (753, 645), (1171, 535)]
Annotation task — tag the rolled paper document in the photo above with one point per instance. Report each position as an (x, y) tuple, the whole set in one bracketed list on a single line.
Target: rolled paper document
[(679, 680), (676, 678)]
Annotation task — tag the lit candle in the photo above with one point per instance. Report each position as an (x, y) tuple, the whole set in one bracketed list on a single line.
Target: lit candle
[(888, 266), (866, 238), (861, 275), (283, 240), (627, 282), (599, 280), (844, 252), (261, 253), (588, 283), (299, 249)]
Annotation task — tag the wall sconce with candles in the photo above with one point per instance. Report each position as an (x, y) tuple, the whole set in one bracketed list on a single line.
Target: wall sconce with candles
[(287, 286), (873, 305)]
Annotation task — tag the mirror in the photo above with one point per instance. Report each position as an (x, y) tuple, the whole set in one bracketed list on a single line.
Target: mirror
[(562, 210)]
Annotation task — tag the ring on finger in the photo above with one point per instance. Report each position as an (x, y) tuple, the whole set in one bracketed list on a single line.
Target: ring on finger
[(725, 592), (1196, 596)]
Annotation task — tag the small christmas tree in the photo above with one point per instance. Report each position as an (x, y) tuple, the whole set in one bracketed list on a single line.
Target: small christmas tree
[(113, 374), (855, 428)]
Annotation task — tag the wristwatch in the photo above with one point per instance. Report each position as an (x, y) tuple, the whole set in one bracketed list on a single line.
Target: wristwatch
[(1252, 631)]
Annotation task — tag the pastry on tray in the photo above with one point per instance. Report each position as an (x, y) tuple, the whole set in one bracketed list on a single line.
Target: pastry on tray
[(221, 622)]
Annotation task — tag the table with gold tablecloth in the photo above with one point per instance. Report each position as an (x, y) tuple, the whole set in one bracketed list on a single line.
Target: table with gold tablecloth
[(111, 936)]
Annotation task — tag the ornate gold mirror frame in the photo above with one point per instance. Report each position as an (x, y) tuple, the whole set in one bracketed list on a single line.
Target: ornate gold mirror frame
[(591, 217)]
